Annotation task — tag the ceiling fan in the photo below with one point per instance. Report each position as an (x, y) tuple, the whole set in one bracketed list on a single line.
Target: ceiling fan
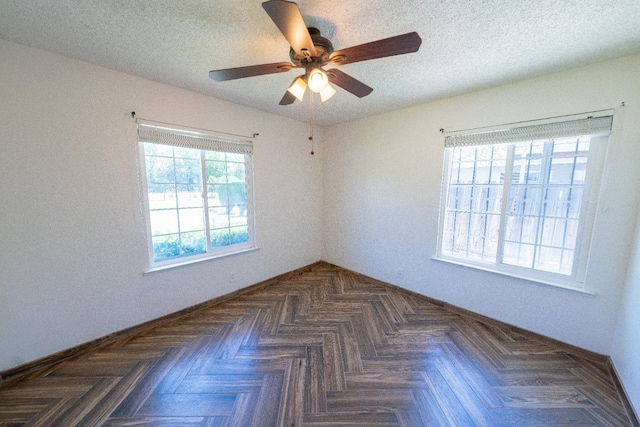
[(310, 51)]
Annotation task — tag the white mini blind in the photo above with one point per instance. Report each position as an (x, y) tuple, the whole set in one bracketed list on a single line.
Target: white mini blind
[(164, 134), (600, 126)]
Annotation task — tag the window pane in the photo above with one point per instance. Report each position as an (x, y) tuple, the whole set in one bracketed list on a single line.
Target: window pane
[(518, 254), (219, 196), (561, 171), (163, 197), (482, 172), (216, 172), (220, 238), (157, 149), (571, 233), (186, 153), (192, 243), (164, 222), (460, 233), (218, 219), (235, 157), (552, 232), (214, 155), (546, 194), (557, 201), (160, 170), (477, 236), (190, 196), (448, 233), (237, 194), (521, 229), (452, 202), (463, 173), (580, 171), (175, 245), (566, 264), (191, 219), (239, 235), (527, 163), (188, 171), (462, 198), (549, 259), (575, 202), (166, 247), (472, 223), (525, 200), (497, 172), (488, 199), (492, 237), (238, 215), (235, 172)]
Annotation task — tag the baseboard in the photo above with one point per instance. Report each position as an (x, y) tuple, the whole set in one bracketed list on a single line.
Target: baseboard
[(631, 413), (13, 375)]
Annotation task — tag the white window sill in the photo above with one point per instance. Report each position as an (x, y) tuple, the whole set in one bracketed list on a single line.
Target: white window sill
[(515, 275), (185, 262)]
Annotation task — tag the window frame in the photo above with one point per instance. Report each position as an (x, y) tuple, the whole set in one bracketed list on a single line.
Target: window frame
[(201, 141), (591, 193)]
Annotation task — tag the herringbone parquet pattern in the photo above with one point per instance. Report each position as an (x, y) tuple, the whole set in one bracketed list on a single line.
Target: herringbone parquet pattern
[(324, 348)]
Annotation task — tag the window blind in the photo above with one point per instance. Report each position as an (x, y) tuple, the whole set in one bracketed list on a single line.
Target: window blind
[(595, 126), (162, 134)]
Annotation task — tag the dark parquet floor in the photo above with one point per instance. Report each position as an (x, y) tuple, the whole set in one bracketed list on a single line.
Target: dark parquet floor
[(323, 348)]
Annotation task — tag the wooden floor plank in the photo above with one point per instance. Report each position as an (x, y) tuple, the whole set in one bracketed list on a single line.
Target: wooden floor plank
[(268, 404), (132, 400), (94, 398), (453, 409), (292, 396), (21, 410), (187, 405)]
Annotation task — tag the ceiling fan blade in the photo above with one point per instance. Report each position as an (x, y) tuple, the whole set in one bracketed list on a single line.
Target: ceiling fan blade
[(398, 45), (287, 99), (250, 71), (348, 83), (288, 19)]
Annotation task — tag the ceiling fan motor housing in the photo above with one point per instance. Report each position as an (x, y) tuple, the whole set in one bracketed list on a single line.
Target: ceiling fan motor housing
[(323, 46)]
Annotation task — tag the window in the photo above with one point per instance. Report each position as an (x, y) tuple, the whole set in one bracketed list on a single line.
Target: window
[(521, 201), (199, 197)]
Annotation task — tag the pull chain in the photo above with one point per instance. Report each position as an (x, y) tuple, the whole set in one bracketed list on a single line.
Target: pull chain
[(311, 121)]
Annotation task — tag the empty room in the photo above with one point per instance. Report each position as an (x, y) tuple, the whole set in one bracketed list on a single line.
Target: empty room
[(318, 213)]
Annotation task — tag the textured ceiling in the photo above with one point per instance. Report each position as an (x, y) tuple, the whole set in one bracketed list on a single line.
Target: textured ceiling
[(466, 44)]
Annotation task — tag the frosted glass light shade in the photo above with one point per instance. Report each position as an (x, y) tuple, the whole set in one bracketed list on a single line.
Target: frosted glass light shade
[(318, 80), (297, 88), (327, 93)]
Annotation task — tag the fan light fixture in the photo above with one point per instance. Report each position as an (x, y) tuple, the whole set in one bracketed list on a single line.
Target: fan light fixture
[(318, 80), (327, 93), (297, 88)]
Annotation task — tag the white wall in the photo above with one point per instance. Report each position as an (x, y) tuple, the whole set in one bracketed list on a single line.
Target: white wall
[(382, 188), (73, 249), (625, 351)]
